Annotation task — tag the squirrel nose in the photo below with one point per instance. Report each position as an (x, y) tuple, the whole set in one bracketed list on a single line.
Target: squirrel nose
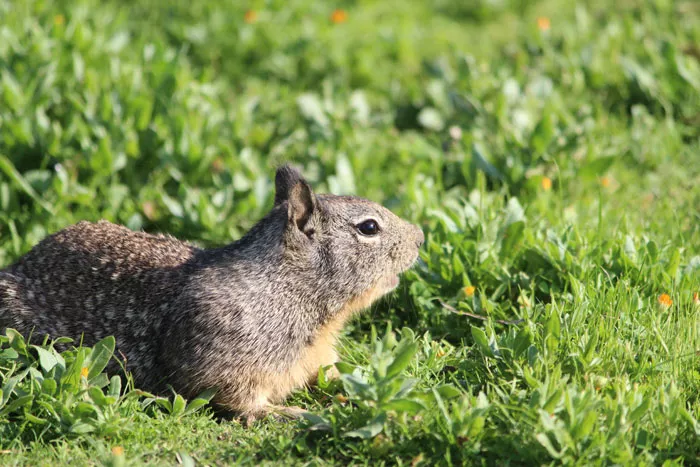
[(420, 237)]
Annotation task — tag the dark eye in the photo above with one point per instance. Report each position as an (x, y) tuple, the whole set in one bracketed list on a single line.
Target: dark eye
[(368, 227)]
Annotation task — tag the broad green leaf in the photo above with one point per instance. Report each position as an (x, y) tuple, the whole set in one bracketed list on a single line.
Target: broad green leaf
[(475, 427), (543, 133), (585, 426), (16, 404), (512, 236), (8, 354), (407, 386), (12, 91), (48, 359), (673, 264), (640, 410), (358, 387), (81, 428), (16, 339), (345, 368), (544, 440), (448, 391), (553, 325), (596, 167), (553, 400), (481, 341), (97, 396), (402, 359), (317, 422), (101, 353), (200, 401), (115, 386), (185, 459), (49, 386), (409, 406), (372, 429), (31, 418), (164, 403), (179, 405), (9, 386)]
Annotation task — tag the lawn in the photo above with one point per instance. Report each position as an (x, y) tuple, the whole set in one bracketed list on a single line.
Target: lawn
[(550, 152)]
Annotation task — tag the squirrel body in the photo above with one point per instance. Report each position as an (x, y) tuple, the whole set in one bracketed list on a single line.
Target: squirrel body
[(254, 319)]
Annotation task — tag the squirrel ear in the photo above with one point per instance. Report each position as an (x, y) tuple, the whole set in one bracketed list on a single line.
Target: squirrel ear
[(285, 179), (290, 186), (301, 204)]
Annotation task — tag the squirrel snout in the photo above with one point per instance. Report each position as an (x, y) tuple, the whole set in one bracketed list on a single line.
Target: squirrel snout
[(420, 237)]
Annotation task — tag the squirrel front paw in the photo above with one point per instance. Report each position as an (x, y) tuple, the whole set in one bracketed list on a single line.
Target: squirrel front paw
[(278, 413)]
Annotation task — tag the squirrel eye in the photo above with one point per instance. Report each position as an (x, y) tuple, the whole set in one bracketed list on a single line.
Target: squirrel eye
[(368, 227)]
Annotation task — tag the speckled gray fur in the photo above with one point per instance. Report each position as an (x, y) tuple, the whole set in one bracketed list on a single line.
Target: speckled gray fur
[(195, 318)]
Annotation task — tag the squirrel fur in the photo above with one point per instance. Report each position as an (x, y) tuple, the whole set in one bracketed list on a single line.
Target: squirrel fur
[(254, 319)]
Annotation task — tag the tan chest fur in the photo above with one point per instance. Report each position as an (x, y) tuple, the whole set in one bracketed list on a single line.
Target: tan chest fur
[(320, 353)]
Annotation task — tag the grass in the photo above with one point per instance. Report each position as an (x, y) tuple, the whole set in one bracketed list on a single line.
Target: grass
[(553, 166)]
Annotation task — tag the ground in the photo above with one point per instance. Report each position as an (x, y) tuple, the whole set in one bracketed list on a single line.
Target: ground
[(548, 150)]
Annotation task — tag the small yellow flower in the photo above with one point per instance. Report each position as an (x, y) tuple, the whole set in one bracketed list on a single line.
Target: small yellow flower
[(339, 16), (665, 300), (118, 451), (524, 301), (605, 182), (546, 183), (341, 398), (84, 372), (58, 20), (440, 354), (469, 290), (543, 23), (250, 16)]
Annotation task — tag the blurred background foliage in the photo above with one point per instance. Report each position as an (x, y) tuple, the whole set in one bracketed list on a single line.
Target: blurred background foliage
[(548, 149)]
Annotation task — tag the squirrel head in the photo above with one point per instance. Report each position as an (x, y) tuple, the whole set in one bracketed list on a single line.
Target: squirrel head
[(352, 246)]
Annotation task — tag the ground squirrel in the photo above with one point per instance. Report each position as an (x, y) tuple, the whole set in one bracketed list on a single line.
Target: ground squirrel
[(254, 319)]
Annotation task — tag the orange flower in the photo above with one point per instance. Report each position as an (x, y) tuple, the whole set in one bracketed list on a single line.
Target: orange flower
[(546, 183), (218, 165), (665, 300), (605, 181), (696, 298), (469, 291), (543, 23), (84, 372), (339, 16), (250, 16), (118, 451), (58, 20)]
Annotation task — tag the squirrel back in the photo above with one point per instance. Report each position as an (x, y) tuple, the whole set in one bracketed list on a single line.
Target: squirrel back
[(254, 319)]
